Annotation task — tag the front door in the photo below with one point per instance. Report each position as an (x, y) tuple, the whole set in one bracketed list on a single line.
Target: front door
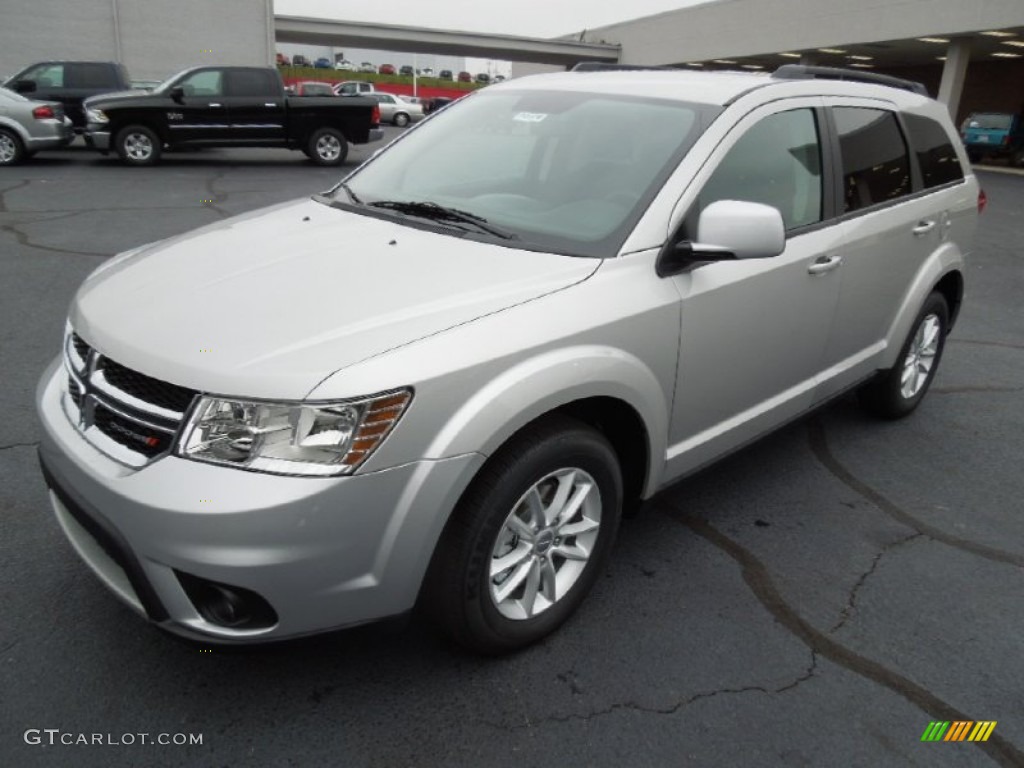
[(201, 115), (754, 331)]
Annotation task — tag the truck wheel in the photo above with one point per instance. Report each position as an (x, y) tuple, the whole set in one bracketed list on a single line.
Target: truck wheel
[(528, 539), (138, 145), (12, 151), (327, 146), (898, 391), (400, 119)]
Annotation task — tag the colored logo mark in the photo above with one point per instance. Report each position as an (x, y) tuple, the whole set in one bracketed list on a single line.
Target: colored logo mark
[(959, 730)]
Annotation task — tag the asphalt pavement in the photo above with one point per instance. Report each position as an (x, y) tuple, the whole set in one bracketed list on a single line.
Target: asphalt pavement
[(815, 600)]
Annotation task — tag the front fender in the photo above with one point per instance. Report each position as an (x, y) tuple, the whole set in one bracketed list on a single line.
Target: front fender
[(541, 384)]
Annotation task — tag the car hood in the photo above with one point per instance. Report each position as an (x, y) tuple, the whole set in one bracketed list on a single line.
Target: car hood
[(270, 303)]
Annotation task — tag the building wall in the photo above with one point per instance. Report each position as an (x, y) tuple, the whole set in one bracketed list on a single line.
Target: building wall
[(153, 38), (749, 27)]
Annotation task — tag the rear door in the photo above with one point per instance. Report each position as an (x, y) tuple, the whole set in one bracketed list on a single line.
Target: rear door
[(256, 105), (891, 224)]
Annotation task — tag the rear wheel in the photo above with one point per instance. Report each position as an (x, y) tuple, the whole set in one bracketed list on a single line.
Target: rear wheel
[(529, 538), (898, 391), (327, 146), (12, 151), (138, 145), (401, 119)]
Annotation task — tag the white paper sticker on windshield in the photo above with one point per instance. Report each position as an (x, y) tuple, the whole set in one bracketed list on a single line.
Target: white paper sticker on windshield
[(530, 117)]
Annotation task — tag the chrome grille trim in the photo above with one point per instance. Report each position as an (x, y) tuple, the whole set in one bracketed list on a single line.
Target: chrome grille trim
[(118, 423)]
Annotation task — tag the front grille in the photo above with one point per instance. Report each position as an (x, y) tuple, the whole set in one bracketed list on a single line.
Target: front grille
[(140, 415), (146, 388)]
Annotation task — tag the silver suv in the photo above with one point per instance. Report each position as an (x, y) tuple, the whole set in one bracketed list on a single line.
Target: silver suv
[(441, 382)]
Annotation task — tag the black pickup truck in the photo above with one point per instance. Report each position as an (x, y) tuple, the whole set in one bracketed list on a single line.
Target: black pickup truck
[(228, 107), (70, 83)]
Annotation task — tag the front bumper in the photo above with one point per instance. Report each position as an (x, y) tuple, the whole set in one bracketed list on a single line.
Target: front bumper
[(97, 137), (325, 553)]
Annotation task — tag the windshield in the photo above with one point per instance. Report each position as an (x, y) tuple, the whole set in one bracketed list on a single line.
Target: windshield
[(558, 171), (170, 80), (992, 121)]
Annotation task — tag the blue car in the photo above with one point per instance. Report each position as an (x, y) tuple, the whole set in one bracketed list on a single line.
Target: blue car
[(323, 63), (994, 134)]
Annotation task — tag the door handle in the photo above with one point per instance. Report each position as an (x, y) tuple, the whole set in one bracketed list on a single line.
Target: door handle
[(923, 227), (824, 264), (215, 104)]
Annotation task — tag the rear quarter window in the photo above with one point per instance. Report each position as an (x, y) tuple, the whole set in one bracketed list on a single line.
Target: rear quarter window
[(934, 150)]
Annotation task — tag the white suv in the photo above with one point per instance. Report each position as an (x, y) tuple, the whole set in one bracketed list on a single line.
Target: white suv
[(443, 380)]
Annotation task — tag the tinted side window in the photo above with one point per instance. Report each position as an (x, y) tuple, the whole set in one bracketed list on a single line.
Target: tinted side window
[(777, 163), (935, 153), (205, 83), (46, 76), (876, 166), (91, 76), (252, 83)]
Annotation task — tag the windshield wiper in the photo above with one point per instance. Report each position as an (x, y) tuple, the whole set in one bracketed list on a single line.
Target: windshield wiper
[(429, 210)]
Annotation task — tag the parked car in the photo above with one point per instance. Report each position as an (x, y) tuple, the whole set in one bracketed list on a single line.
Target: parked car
[(313, 88), (386, 69), (396, 110), (283, 61), (445, 74), (465, 77), (483, 77), (226, 107), (70, 83), (353, 88), (406, 70), (992, 135), (426, 72), (28, 126), (298, 60), (440, 383), (323, 63), (499, 78), (367, 66), (345, 66), (436, 103)]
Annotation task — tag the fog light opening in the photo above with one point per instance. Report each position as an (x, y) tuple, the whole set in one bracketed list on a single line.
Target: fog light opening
[(227, 606)]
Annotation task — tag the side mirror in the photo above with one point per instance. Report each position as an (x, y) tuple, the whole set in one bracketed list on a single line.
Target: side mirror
[(25, 86), (727, 230), (177, 93)]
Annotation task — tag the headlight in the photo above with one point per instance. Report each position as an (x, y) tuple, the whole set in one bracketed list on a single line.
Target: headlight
[(291, 439), (96, 115)]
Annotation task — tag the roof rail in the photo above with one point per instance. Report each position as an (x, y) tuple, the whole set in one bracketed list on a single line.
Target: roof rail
[(601, 66), (801, 72)]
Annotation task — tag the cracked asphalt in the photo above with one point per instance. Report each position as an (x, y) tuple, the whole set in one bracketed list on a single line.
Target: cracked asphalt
[(815, 600)]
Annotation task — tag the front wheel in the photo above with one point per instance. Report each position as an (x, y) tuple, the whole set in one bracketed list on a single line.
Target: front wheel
[(138, 145), (898, 391), (12, 151), (327, 146), (528, 539), (401, 119)]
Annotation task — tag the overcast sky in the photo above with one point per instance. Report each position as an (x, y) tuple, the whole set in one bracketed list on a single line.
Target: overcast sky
[(533, 18)]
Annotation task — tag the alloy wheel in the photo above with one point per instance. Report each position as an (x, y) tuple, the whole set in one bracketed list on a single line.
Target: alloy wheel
[(917, 365)]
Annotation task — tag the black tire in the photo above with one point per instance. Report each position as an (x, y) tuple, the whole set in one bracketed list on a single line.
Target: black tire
[(327, 146), (885, 394), (12, 151), (400, 119), (138, 145), (458, 589)]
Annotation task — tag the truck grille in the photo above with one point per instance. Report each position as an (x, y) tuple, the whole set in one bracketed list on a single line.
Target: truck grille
[(128, 415)]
